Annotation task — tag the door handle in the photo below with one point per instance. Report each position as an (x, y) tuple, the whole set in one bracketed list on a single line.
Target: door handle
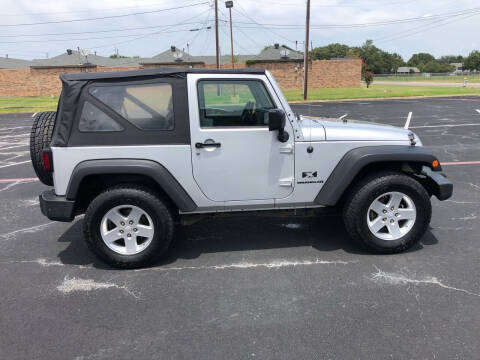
[(199, 145)]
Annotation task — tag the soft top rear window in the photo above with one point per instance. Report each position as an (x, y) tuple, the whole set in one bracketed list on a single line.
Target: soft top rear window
[(147, 106)]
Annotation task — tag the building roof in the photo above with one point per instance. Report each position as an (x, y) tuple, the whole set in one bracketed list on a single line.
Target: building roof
[(174, 54), (406, 69), (76, 58), (169, 56), (9, 63), (279, 52)]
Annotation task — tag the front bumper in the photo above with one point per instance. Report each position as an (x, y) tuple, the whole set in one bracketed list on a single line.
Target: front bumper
[(57, 208), (438, 183)]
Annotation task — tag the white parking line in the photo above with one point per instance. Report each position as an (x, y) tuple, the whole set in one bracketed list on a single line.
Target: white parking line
[(409, 118), (453, 163), (438, 126), (2, 181), (478, 111), (14, 128), (13, 147), (19, 163)]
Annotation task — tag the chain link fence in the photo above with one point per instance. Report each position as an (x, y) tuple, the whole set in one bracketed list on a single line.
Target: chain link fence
[(435, 77)]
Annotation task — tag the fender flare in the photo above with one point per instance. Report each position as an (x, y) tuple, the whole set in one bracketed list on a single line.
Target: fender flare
[(356, 159), (155, 171)]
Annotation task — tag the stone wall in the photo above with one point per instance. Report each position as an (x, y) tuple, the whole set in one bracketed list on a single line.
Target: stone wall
[(44, 81)]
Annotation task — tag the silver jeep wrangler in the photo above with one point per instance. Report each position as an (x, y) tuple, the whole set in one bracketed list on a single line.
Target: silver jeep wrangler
[(140, 151)]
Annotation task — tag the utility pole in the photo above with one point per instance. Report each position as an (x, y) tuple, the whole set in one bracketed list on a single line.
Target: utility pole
[(305, 55), (229, 5), (216, 35)]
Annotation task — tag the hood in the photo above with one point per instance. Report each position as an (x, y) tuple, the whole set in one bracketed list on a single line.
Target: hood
[(321, 129)]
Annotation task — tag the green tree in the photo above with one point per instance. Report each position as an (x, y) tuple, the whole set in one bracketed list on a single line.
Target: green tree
[(375, 59), (436, 67), (330, 51), (449, 59), (420, 59), (472, 62), (117, 56), (371, 56), (392, 62)]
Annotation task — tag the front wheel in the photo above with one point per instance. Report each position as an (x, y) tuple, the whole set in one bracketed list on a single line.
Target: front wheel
[(388, 213), (128, 227)]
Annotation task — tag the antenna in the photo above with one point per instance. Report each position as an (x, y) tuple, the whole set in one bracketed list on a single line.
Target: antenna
[(178, 55)]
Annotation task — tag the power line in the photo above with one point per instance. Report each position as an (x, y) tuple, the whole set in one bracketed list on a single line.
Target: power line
[(355, 25), (94, 10), (106, 17), (204, 26), (206, 42), (144, 36), (92, 38), (101, 31), (236, 42), (297, 4), (244, 13), (423, 28)]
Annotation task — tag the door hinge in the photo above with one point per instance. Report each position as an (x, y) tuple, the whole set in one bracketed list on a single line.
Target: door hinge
[(286, 182), (287, 149)]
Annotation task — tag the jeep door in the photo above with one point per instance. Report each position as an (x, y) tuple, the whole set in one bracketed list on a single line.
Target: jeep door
[(234, 155)]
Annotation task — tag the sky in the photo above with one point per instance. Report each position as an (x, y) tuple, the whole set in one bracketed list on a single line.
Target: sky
[(39, 29)]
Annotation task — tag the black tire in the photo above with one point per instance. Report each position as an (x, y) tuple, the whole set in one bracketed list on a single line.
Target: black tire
[(129, 195), (359, 200), (40, 138)]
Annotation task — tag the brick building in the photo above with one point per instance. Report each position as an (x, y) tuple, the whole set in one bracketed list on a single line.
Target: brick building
[(40, 78)]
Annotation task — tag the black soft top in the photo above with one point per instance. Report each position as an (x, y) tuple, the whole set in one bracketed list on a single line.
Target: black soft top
[(73, 85), (160, 72)]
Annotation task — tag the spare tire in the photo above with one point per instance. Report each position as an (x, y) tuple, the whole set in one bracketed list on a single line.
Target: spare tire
[(40, 138)]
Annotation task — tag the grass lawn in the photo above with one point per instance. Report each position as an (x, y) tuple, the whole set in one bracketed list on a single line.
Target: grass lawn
[(378, 91), (46, 103), (453, 78), (28, 104)]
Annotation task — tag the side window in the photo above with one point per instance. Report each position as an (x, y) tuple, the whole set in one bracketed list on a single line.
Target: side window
[(233, 103), (94, 119), (148, 107)]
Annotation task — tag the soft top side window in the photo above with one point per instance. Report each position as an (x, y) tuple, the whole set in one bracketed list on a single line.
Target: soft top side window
[(93, 119), (147, 106), (233, 103)]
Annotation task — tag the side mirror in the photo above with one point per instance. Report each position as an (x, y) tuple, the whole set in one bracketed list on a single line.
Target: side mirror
[(277, 121)]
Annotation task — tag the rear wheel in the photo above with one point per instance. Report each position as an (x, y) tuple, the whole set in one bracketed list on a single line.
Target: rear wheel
[(40, 138), (388, 213), (128, 227)]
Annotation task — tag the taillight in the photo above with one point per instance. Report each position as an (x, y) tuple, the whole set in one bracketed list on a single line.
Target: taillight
[(47, 160)]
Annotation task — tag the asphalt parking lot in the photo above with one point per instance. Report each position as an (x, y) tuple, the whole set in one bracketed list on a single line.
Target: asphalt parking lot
[(267, 288)]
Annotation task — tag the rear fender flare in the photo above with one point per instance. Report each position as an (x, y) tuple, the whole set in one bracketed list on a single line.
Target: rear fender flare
[(155, 171)]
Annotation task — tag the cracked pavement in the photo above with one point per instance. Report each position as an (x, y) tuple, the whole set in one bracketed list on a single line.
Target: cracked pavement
[(269, 288)]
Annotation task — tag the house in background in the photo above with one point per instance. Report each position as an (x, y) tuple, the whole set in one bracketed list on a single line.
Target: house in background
[(279, 52), (9, 63), (407, 70), (458, 68), (174, 56), (73, 58)]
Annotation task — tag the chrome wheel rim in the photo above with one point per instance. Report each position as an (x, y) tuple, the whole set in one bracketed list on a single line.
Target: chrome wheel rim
[(391, 216), (127, 229)]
